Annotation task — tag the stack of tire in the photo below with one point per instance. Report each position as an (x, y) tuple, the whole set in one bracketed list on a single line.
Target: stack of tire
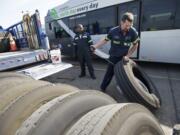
[(136, 84), (29, 107)]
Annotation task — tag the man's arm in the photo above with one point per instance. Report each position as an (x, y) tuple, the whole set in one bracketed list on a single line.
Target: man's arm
[(135, 44), (103, 41), (74, 41), (90, 42), (100, 43), (132, 49)]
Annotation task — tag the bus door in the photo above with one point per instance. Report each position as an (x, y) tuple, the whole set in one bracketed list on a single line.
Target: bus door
[(62, 37), (133, 7)]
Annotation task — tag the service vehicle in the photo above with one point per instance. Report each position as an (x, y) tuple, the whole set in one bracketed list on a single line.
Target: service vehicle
[(25, 43)]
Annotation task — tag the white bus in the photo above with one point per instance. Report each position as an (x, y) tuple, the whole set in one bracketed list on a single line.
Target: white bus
[(157, 21)]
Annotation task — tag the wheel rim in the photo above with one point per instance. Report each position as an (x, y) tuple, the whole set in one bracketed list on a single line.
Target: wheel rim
[(143, 85)]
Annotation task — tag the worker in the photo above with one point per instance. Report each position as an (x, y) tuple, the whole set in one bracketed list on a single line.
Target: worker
[(124, 41), (83, 42)]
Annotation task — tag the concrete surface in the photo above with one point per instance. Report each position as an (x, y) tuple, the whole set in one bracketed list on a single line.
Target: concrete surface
[(165, 76)]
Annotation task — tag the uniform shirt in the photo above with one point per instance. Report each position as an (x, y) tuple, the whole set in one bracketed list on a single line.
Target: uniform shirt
[(83, 42), (121, 43)]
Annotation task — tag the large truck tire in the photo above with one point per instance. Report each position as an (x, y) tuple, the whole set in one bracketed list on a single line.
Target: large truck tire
[(58, 115), (12, 74), (16, 113), (11, 82), (117, 119), (136, 84), (9, 96)]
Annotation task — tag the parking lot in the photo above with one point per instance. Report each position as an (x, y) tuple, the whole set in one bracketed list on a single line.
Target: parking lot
[(165, 76)]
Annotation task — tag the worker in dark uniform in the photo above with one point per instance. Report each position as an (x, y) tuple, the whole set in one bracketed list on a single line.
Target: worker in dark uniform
[(83, 42), (124, 41)]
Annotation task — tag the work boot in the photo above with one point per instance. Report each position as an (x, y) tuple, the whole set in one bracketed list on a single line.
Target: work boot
[(103, 89), (82, 75), (93, 77)]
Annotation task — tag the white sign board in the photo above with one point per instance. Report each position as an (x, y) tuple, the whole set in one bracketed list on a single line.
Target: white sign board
[(73, 7)]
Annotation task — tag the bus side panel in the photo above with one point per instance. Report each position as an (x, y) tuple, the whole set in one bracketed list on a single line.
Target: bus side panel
[(160, 46)]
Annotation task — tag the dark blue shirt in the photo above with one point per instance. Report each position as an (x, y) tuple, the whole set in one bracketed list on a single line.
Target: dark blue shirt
[(121, 43), (83, 42)]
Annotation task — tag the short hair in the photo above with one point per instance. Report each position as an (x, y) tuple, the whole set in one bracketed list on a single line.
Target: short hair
[(127, 16), (79, 26)]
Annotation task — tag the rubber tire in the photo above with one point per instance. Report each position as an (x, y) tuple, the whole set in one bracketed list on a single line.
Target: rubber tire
[(9, 96), (11, 82), (132, 89), (59, 114), (117, 119), (25, 105), (13, 74)]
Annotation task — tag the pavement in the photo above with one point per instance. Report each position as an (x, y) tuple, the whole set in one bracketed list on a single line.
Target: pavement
[(166, 78)]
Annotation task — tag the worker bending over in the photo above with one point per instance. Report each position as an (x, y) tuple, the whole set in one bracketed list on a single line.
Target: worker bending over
[(124, 42)]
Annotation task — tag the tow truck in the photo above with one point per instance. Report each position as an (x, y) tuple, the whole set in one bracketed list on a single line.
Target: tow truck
[(33, 51)]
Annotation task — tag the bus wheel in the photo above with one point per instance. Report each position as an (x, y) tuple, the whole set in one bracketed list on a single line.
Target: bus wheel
[(117, 119), (136, 84), (24, 106), (58, 115)]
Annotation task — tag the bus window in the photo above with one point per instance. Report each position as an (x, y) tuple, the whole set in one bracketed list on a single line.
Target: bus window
[(100, 24), (65, 21), (158, 15), (72, 23), (59, 32), (177, 19)]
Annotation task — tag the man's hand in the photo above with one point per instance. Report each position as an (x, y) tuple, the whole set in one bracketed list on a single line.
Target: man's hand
[(92, 47), (126, 58), (98, 45)]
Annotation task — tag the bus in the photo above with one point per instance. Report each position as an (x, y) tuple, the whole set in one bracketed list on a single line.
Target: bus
[(157, 21)]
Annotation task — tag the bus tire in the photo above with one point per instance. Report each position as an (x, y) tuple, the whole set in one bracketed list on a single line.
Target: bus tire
[(10, 82), (136, 85), (9, 96), (58, 115), (117, 119), (25, 105), (13, 74)]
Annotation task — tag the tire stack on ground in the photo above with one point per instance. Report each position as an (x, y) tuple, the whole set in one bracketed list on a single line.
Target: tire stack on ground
[(29, 107), (136, 85)]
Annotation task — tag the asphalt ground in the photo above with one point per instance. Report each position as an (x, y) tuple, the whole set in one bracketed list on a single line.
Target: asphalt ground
[(166, 78)]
